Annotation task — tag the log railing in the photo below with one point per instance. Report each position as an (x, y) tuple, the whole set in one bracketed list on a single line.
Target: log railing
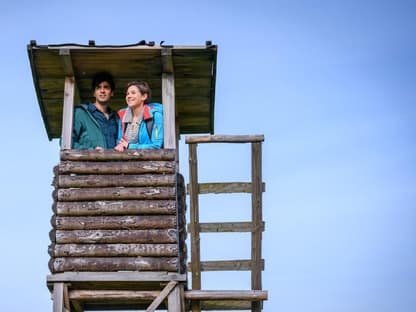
[(118, 212), (255, 226)]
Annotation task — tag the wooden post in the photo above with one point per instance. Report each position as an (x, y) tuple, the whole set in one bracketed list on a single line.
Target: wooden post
[(256, 235), (58, 297), (162, 296), (68, 113), (176, 300), (194, 223), (168, 100)]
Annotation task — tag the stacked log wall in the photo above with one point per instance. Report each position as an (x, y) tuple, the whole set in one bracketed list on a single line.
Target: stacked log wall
[(118, 212)]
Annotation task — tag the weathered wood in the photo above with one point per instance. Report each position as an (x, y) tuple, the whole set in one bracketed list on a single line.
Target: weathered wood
[(256, 236), (119, 207), (194, 222), (68, 112), (113, 167), (77, 306), (112, 250), (224, 139), (113, 222), (115, 277), (129, 154), (113, 236), (58, 297), (250, 295), (228, 227), (67, 305), (66, 181), (63, 264), (176, 300), (226, 265), (194, 79), (168, 100), (162, 296), (109, 295), (226, 187), (222, 305), (115, 193)]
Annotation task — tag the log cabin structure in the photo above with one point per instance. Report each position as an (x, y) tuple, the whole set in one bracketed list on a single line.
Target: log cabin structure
[(118, 237)]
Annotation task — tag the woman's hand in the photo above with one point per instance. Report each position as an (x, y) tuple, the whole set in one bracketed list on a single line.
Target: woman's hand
[(122, 145)]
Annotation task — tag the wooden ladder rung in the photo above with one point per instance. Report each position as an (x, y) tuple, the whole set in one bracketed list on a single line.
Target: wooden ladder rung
[(227, 227), (226, 187), (226, 265), (248, 295)]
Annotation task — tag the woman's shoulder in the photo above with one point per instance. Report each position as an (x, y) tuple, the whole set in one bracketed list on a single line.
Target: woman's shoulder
[(154, 106)]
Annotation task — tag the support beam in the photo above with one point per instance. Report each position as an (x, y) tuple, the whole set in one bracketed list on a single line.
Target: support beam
[(162, 296), (194, 223), (257, 219), (168, 99), (71, 98), (58, 297), (175, 300), (68, 115), (68, 68)]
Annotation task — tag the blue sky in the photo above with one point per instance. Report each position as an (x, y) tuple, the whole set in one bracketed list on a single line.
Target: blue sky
[(330, 84)]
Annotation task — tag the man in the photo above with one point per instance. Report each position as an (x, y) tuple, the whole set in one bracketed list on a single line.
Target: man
[(95, 124)]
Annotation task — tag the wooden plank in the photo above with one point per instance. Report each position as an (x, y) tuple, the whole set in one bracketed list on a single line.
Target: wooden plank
[(68, 114), (256, 236), (127, 167), (67, 66), (250, 295), (129, 154), (109, 295), (167, 62), (225, 305), (105, 277), (176, 300), (114, 236), (112, 250), (226, 265), (162, 296), (116, 207), (113, 222), (115, 193), (226, 187), (227, 227), (194, 215), (67, 305), (194, 223), (224, 139), (77, 306), (64, 264), (58, 297), (168, 100), (93, 180)]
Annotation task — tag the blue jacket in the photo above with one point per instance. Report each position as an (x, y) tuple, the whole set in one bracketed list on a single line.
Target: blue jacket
[(152, 112)]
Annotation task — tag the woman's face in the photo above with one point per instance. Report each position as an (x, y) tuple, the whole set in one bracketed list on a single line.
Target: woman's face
[(134, 97)]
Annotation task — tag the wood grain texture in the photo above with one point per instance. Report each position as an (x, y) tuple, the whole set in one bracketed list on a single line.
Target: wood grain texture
[(112, 250), (63, 264), (115, 207)]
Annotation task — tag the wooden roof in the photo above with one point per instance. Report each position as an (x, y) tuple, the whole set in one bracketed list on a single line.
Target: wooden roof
[(194, 69)]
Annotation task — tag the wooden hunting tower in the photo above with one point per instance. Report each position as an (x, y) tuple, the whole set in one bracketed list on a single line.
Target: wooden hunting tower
[(118, 225)]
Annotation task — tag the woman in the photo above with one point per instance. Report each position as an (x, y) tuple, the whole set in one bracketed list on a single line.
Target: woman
[(141, 123)]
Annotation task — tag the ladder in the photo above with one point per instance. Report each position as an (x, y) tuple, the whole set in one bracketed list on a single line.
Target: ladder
[(251, 299)]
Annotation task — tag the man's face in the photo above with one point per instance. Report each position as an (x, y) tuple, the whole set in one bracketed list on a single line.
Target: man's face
[(103, 92)]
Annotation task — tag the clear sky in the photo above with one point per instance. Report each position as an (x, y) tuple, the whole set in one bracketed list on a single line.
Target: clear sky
[(331, 85)]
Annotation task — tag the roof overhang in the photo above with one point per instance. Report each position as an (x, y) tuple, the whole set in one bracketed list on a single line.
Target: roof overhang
[(194, 70)]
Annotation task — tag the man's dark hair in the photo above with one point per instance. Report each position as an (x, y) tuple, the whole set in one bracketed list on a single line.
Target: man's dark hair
[(103, 76)]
